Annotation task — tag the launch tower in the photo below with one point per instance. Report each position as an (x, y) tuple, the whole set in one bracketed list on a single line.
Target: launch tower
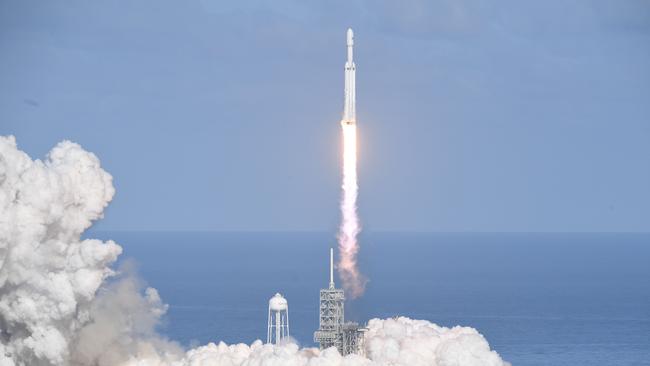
[(333, 330)]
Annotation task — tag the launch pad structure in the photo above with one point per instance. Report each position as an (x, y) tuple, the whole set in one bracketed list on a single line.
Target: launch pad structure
[(333, 331)]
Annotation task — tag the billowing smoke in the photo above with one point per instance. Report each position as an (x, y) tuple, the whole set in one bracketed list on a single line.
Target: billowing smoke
[(394, 342), (61, 303), (56, 307), (353, 281), (48, 276)]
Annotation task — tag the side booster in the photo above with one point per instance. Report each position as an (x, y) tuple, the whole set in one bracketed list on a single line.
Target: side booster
[(349, 109)]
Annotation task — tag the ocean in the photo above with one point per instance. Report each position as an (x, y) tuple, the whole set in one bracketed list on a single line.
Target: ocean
[(538, 298)]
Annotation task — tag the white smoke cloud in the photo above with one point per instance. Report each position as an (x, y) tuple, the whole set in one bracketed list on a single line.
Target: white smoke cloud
[(391, 342), (62, 304), (122, 329), (49, 276)]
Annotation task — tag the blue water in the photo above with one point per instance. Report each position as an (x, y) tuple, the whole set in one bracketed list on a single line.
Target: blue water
[(539, 299)]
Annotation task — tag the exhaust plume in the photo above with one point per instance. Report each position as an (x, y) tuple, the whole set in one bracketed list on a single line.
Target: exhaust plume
[(353, 282)]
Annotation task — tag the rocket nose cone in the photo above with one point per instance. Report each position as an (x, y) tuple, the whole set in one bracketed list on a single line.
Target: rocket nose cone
[(350, 37)]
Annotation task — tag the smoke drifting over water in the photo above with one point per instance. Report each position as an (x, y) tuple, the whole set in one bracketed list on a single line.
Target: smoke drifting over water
[(61, 303), (353, 282)]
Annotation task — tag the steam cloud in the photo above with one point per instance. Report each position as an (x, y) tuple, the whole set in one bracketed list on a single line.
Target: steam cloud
[(62, 304)]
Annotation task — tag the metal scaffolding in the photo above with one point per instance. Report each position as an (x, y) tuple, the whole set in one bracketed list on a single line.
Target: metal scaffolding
[(333, 330)]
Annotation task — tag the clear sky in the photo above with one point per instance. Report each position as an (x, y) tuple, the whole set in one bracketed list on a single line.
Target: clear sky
[(215, 115)]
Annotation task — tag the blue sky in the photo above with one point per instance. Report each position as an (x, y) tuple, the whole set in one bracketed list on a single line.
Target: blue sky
[(214, 115)]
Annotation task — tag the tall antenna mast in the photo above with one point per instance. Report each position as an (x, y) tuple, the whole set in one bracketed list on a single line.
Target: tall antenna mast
[(331, 267)]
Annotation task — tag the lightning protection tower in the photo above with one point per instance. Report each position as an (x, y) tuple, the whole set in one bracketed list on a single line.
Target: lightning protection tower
[(331, 313), (278, 326), (333, 330)]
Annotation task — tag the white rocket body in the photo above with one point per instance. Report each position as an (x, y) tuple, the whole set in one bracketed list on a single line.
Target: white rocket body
[(349, 110)]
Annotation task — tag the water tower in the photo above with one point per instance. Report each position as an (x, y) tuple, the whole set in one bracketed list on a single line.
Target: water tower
[(278, 328)]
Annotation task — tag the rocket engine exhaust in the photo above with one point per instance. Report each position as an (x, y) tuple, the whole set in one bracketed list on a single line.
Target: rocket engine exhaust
[(353, 280)]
